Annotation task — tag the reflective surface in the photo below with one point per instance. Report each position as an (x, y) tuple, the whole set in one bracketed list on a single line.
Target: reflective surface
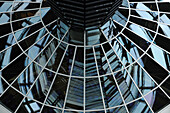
[(48, 66)]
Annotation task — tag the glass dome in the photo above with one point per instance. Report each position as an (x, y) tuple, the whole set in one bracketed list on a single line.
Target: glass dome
[(93, 56)]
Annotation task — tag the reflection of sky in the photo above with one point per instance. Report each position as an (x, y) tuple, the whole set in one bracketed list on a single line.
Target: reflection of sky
[(166, 30), (4, 18), (6, 7), (157, 53)]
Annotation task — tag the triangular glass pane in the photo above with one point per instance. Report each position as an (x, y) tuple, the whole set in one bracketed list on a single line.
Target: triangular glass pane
[(3, 86), (165, 86)]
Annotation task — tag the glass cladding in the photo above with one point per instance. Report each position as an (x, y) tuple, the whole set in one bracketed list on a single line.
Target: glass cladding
[(74, 59)]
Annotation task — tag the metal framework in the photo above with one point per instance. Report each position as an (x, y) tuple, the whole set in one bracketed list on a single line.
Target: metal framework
[(119, 63)]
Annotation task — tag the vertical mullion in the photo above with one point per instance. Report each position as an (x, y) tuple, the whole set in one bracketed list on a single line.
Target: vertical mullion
[(84, 71), (99, 80), (68, 86)]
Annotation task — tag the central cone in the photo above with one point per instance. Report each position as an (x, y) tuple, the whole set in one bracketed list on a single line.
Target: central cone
[(84, 13)]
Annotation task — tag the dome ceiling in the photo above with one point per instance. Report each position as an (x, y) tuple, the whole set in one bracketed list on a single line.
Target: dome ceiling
[(55, 58)]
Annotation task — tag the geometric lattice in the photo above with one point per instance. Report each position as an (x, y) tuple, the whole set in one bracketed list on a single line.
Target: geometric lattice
[(48, 66)]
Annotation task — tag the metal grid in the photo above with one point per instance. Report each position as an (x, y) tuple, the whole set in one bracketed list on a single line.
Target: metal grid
[(61, 42)]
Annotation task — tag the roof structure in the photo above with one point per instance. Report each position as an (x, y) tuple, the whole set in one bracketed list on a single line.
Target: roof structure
[(84, 56)]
